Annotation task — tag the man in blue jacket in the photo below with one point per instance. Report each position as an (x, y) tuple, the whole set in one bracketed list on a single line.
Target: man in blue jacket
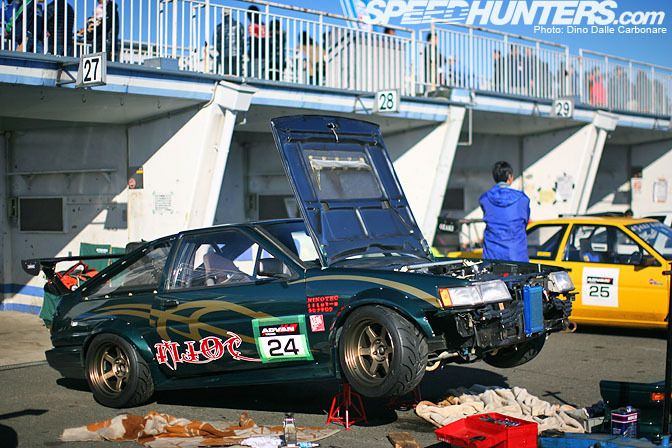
[(506, 212)]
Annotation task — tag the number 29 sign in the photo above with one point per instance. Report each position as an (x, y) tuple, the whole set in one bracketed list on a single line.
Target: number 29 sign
[(282, 339), (92, 70)]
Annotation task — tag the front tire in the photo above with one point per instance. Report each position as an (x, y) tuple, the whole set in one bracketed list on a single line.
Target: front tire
[(381, 353), (117, 375), (517, 355)]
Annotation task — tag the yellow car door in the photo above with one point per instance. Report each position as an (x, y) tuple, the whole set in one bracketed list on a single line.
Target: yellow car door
[(616, 276)]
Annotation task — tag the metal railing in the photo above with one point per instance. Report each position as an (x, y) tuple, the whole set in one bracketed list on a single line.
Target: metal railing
[(274, 42), (620, 84), (479, 59)]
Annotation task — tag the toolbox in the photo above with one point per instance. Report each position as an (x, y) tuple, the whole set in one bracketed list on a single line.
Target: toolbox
[(491, 430)]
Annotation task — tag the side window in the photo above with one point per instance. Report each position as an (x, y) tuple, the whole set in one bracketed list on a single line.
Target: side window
[(143, 274), (216, 259), (603, 244), (626, 250), (587, 243), (543, 241)]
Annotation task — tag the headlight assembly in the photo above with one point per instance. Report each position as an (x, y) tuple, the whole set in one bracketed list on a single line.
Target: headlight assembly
[(560, 281), (475, 294), (494, 291)]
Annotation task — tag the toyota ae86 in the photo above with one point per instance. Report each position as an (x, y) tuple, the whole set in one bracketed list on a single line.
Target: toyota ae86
[(349, 292)]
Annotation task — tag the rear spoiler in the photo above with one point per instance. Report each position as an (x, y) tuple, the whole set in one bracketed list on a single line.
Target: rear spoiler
[(33, 266)]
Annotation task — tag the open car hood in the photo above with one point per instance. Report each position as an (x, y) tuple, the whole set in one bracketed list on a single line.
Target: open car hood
[(346, 187)]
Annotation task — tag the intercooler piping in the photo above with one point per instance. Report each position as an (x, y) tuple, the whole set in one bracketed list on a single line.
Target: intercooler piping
[(435, 363)]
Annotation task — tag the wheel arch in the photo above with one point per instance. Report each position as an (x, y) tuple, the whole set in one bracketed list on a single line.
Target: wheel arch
[(125, 330), (387, 298)]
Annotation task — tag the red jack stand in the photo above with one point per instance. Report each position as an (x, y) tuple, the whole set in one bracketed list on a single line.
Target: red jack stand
[(342, 404), (403, 404)]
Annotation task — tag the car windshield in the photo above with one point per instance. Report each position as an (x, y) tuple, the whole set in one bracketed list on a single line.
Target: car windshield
[(657, 235), (294, 236)]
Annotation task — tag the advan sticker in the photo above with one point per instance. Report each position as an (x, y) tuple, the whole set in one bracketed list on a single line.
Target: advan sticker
[(600, 287)]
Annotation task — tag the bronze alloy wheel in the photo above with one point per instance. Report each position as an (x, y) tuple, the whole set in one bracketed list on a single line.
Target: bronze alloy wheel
[(117, 375), (111, 369), (381, 353), (369, 351)]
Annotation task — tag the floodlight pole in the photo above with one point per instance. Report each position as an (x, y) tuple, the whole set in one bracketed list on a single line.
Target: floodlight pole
[(668, 361)]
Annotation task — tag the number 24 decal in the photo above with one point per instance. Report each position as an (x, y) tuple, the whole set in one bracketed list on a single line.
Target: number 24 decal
[(275, 347)]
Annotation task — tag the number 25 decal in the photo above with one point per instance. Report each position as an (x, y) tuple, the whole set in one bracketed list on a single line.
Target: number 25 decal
[(598, 291)]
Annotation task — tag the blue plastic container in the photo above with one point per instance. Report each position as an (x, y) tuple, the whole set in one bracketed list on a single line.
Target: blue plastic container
[(534, 309)]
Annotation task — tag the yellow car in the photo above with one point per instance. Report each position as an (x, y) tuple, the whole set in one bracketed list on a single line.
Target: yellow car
[(616, 265)]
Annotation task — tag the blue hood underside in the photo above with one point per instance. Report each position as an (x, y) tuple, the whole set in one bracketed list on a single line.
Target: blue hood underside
[(346, 187)]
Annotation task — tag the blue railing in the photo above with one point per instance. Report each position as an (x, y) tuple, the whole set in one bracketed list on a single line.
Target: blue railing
[(274, 42)]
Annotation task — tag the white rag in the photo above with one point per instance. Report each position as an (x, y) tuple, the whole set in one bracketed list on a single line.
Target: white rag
[(515, 402)]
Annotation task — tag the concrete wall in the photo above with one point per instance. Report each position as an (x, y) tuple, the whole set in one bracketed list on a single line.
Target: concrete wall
[(656, 161), (472, 169), (167, 149), (95, 209), (611, 191)]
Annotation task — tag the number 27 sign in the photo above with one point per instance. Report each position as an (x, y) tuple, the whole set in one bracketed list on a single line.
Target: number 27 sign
[(92, 70)]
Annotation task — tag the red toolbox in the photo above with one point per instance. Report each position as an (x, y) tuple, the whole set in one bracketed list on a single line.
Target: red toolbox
[(488, 431)]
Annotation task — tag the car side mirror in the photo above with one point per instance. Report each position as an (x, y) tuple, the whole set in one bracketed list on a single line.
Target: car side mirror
[(647, 261), (272, 267), (636, 258)]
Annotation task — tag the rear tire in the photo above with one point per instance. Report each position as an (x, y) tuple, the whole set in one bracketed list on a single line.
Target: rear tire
[(517, 355), (381, 353), (117, 375)]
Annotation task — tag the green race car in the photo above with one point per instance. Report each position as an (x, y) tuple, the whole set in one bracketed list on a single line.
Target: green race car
[(350, 291)]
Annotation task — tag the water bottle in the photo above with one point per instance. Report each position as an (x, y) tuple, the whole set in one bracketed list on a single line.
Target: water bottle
[(289, 429)]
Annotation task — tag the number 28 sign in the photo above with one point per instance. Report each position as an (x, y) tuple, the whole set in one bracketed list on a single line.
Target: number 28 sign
[(92, 70), (386, 101), (282, 339)]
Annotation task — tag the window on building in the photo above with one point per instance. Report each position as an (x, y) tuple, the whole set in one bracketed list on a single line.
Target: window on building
[(41, 215)]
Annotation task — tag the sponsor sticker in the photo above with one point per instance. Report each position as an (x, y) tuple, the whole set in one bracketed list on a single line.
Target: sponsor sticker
[(212, 348), (321, 304), (600, 287), (317, 322), (282, 339)]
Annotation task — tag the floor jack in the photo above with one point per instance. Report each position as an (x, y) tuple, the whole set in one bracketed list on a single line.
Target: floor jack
[(347, 408)]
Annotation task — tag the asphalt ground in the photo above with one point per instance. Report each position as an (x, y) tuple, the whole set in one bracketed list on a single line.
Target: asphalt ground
[(36, 405)]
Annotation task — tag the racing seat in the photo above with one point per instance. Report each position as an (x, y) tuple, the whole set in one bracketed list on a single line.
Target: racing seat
[(220, 270), (586, 252)]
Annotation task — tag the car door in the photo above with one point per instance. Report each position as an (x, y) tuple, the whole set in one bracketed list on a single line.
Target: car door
[(544, 241), (220, 312), (614, 283)]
